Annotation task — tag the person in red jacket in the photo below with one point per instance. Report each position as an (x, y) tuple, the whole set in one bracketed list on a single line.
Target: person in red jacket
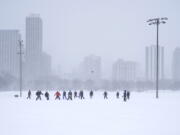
[(57, 95)]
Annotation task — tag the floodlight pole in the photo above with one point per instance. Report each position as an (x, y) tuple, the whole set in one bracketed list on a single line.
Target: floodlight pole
[(157, 61), (157, 22), (20, 67)]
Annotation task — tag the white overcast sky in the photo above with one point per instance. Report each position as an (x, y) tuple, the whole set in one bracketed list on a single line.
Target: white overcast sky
[(111, 29)]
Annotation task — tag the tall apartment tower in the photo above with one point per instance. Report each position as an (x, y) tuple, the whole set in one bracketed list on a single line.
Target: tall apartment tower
[(124, 71), (151, 62), (9, 59), (38, 63), (176, 65), (34, 35)]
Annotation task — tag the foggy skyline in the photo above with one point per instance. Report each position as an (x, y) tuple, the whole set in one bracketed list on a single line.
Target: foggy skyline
[(110, 29)]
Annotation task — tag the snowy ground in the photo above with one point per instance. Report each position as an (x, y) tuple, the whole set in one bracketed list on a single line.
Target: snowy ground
[(142, 115)]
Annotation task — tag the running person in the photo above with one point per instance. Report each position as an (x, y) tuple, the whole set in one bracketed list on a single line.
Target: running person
[(128, 94), (57, 95), (38, 94), (64, 95), (69, 95), (105, 95), (81, 94), (91, 94), (46, 95), (75, 94), (125, 95), (29, 95), (117, 95)]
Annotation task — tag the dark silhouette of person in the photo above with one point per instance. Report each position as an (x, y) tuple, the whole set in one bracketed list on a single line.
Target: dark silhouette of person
[(38, 94), (75, 94), (29, 95), (91, 94), (47, 95), (105, 95), (64, 95), (69, 95), (81, 94), (57, 95), (125, 95), (117, 95), (128, 95)]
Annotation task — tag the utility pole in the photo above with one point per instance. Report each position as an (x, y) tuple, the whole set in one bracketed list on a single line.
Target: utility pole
[(157, 22), (20, 66)]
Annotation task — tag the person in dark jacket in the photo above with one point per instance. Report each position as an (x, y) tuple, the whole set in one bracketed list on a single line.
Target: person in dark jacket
[(105, 95), (29, 95), (64, 95), (69, 95), (47, 95), (81, 94), (91, 94), (75, 94), (125, 95), (128, 95), (117, 95), (38, 94)]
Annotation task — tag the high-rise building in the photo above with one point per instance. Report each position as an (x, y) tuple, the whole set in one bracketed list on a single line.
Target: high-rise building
[(91, 68), (37, 62), (124, 71), (34, 35), (176, 65), (151, 62), (9, 59)]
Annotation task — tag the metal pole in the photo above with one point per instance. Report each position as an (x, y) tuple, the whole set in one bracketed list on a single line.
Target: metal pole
[(157, 64), (20, 68), (157, 22)]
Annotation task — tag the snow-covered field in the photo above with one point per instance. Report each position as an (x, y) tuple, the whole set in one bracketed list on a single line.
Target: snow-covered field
[(141, 115)]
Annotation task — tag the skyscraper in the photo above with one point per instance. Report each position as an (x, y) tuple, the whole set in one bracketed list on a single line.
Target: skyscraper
[(91, 68), (36, 62), (34, 35), (9, 60), (176, 65), (124, 70), (151, 60)]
